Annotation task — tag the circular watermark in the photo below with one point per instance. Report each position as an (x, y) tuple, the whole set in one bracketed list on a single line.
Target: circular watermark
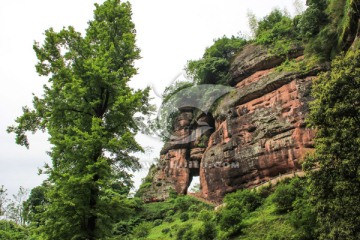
[(183, 96)]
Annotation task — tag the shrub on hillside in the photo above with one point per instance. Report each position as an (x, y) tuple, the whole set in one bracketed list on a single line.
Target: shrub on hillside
[(286, 193), (206, 215), (142, 230), (169, 219), (165, 230), (183, 203), (157, 222), (245, 200), (185, 233), (229, 219), (303, 218), (184, 217), (207, 231), (193, 208), (170, 213)]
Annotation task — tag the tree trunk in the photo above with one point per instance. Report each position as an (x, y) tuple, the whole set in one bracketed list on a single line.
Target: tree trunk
[(93, 201), (91, 223)]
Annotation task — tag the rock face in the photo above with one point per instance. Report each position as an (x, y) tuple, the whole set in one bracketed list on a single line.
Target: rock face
[(181, 156), (256, 131)]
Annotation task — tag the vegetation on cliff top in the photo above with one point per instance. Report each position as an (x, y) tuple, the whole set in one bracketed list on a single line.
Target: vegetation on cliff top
[(324, 29), (214, 66), (277, 30)]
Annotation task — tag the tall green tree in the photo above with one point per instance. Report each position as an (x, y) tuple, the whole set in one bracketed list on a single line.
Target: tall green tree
[(89, 111), (335, 187)]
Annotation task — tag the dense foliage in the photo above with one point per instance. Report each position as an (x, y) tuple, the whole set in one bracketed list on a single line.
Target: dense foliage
[(278, 31), (168, 220), (329, 27), (13, 215), (12, 231), (89, 110), (335, 113), (246, 214), (214, 66), (314, 18)]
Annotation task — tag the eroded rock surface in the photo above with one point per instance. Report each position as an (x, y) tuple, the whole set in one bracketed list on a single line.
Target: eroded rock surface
[(256, 132), (181, 156)]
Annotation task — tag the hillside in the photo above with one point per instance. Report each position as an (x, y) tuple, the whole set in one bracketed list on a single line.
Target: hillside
[(273, 212)]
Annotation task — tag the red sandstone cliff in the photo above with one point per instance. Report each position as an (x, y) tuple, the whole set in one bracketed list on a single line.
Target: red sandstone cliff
[(256, 131)]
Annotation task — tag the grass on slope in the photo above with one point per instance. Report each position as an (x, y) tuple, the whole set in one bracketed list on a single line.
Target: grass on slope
[(265, 224), (280, 212)]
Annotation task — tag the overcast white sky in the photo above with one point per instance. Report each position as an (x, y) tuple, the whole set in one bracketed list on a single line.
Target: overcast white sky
[(169, 34)]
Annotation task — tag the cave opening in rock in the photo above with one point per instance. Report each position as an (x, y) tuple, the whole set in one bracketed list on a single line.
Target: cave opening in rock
[(194, 179), (194, 186), (201, 132)]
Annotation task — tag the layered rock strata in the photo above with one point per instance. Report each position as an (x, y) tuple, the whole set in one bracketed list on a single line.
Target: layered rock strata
[(256, 132)]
